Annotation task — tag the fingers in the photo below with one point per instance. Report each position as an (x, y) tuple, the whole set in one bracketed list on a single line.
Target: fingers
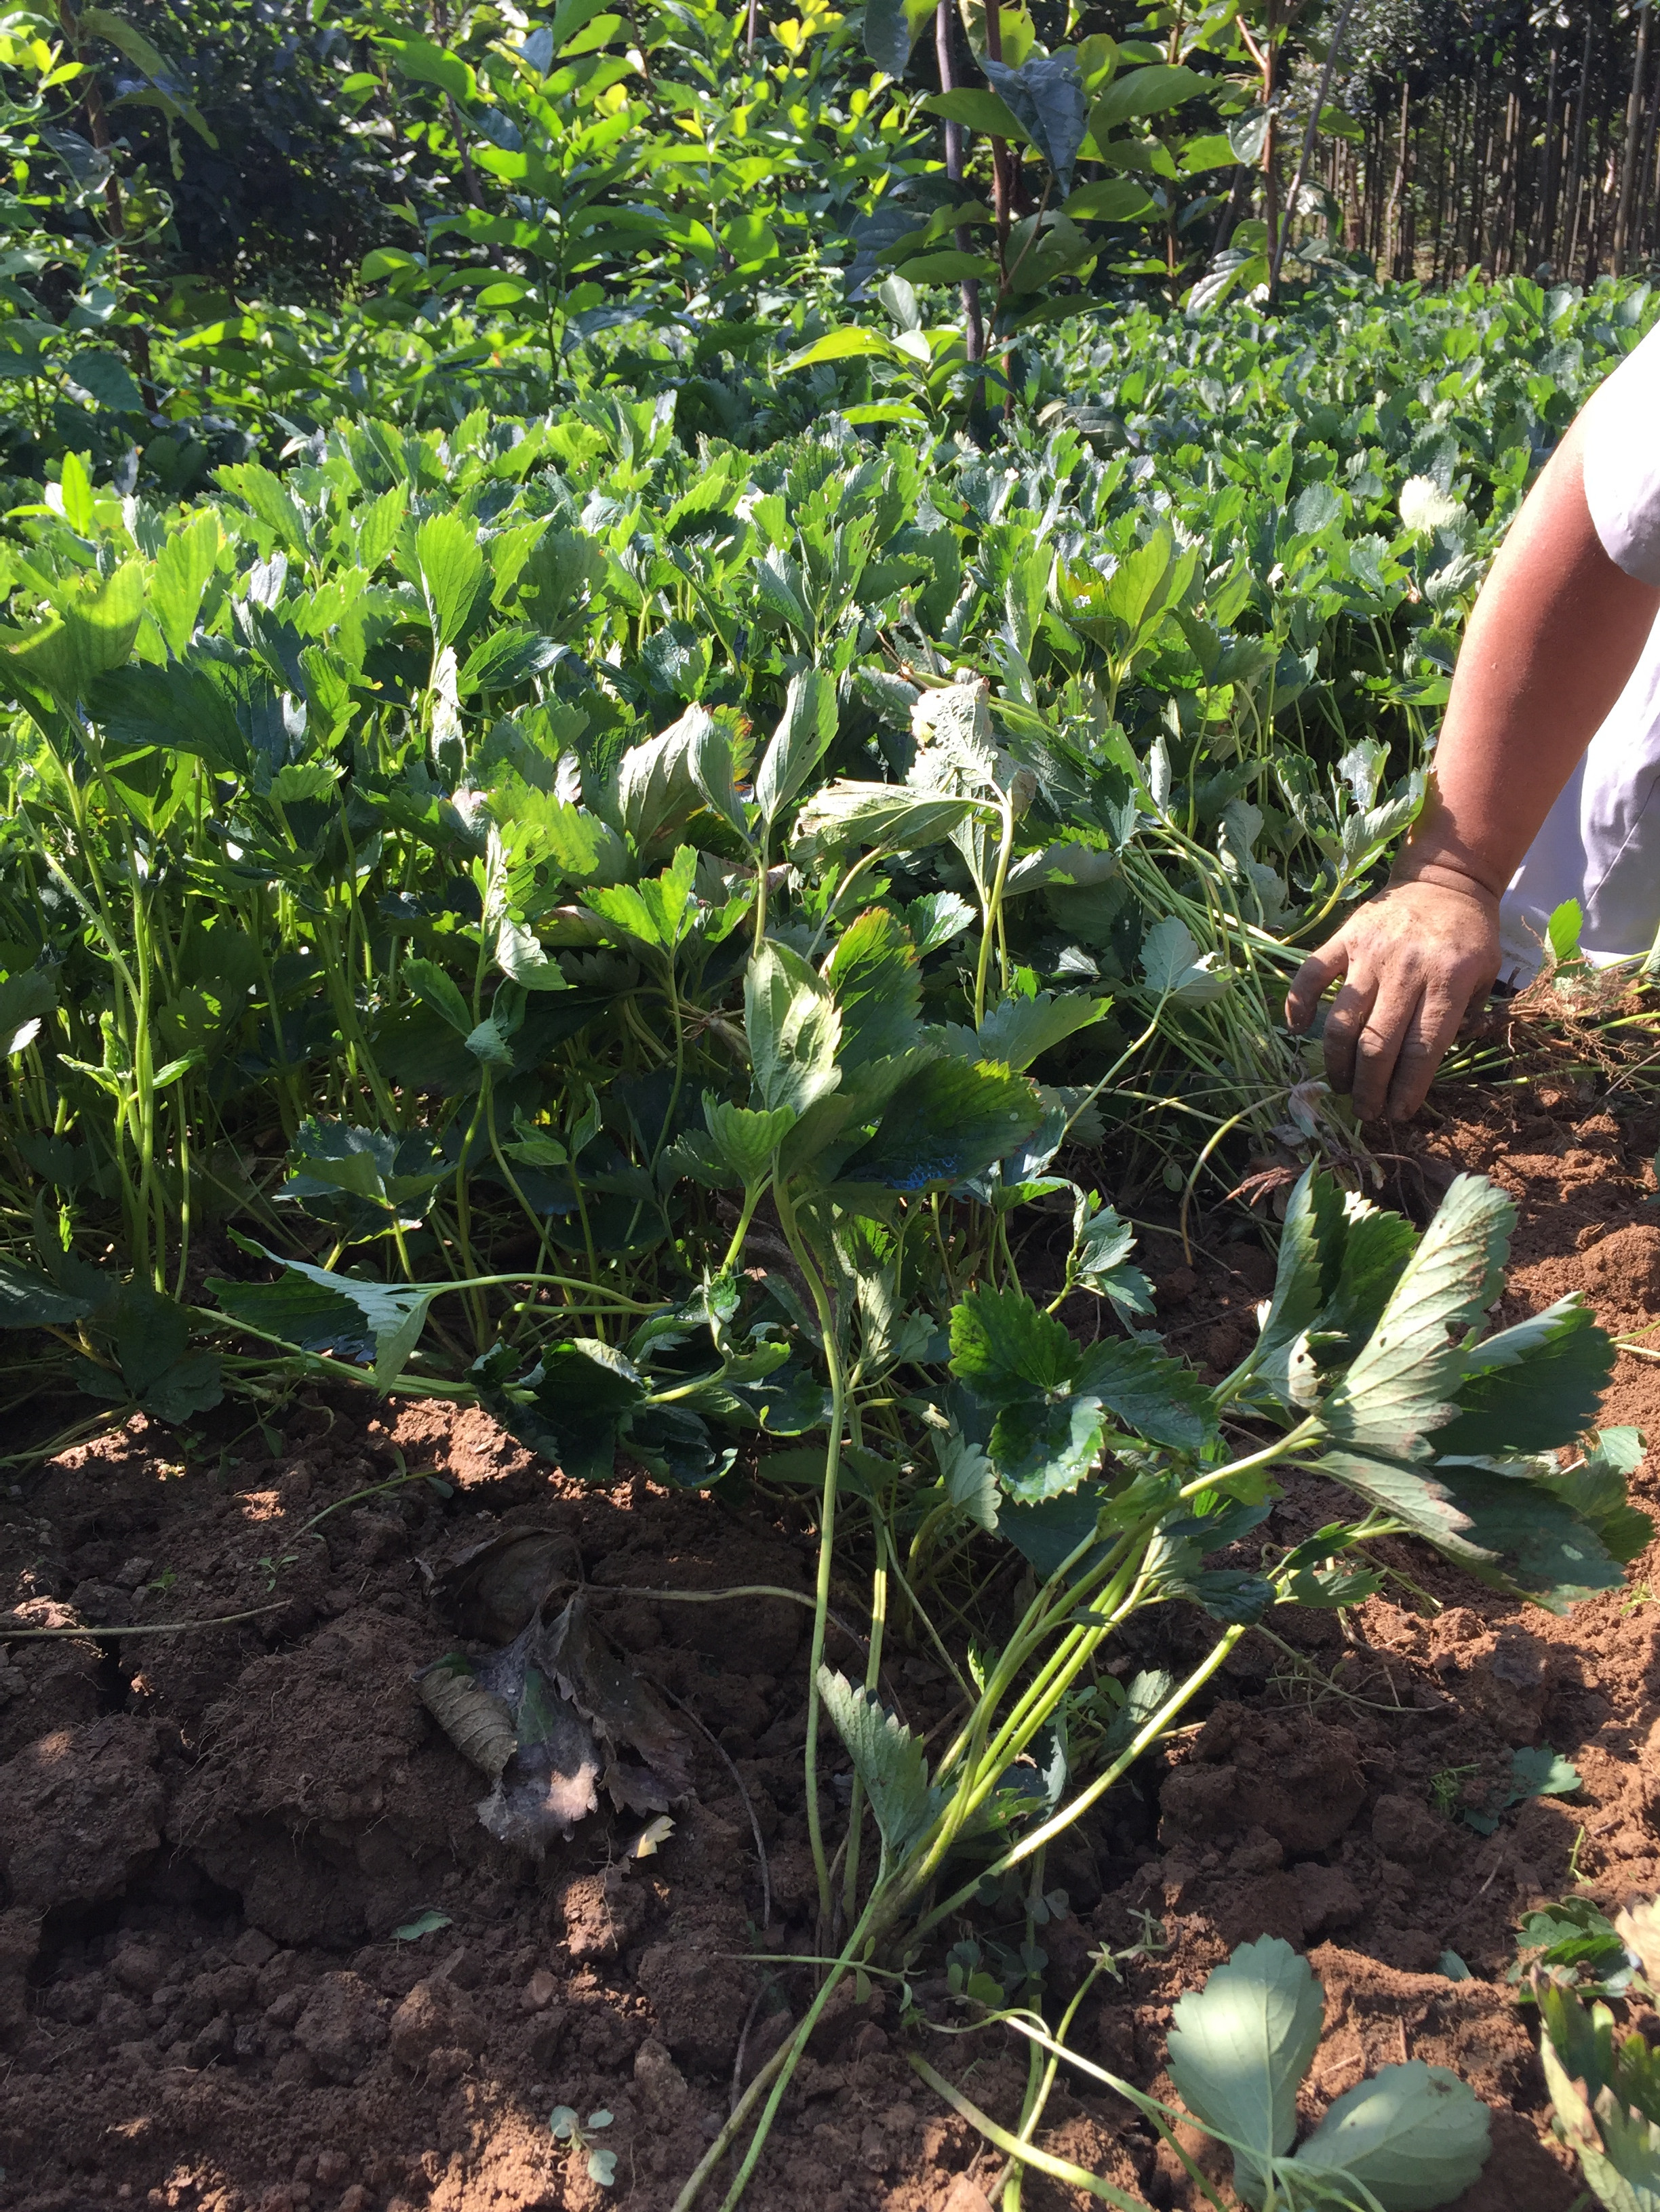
[(1314, 979), (1346, 1020), (1428, 1034), (1378, 1045)]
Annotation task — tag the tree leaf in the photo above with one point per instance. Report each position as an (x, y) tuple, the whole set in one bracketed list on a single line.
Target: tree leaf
[(29, 1299), (1415, 2135), (798, 743), (844, 816), (506, 659), (849, 343), (708, 754), (657, 793), (744, 1141), (1508, 1530), (891, 29), (439, 991), (950, 1122), (978, 111), (1004, 1346), (1157, 1396), (888, 1759), (569, 1407), (180, 577), (345, 1314), (1112, 199), (1171, 963), (1018, 1031), (1046, 96), (1239, 2048), (1152, 89), (970, 1478), (519, 956), (1536, 1770)]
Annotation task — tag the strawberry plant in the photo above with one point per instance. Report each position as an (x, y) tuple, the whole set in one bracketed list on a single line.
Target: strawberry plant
[(1603, 2084), (1405, 2139)]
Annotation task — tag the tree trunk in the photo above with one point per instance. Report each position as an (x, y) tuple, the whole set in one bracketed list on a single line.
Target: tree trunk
[(1544, 229), (1470, 228), (1440, 195), (1575, 208), (1633, 130), (973, 328), (1398, 190), (1270, 150)]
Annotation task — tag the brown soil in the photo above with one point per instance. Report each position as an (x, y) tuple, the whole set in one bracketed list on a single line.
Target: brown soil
[(207, 1841)]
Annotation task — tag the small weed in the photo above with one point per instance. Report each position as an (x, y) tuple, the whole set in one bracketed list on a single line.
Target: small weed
[(1640, 1594), (1446, 1789), (274, 1566), (426, 1921), (568, 2129)]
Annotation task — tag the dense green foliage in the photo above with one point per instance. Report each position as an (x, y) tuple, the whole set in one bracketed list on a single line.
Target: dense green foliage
[(300, 772)]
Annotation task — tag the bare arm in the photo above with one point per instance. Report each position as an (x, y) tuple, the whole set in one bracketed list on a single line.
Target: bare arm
[(1553, 638)]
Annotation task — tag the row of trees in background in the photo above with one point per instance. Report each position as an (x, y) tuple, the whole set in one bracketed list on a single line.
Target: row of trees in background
[(1452, 134), (1505, 134), (219, 227)]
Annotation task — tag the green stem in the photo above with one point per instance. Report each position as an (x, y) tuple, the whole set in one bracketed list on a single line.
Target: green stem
[(991, 908), (838, 1383), (1063, 1820), (878, 1616)]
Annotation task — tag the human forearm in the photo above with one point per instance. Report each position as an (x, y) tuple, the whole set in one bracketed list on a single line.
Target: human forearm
[(1551, 642)]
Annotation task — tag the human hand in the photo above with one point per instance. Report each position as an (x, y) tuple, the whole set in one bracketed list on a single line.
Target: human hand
[(1413, 960)]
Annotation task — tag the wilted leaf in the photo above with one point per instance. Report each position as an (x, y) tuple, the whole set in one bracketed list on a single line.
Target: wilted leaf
[(548, 1719), (495, 1587)]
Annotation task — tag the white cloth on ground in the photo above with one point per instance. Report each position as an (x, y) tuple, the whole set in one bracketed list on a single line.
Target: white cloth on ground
[(1600, 843)]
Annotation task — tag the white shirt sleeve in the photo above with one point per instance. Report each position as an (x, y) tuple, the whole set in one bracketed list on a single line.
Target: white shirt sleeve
[(1622, 462)]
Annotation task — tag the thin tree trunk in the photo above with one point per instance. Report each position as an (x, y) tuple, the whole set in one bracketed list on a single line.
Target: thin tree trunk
[(1516, 133), (1544, 234), (1633, 130), (1470, 218), (1575, 207), (1398, 189), (1270, 150), (1448, 244), (1651, 198), (1001, 189), (1277, 238), (1440, 195), (973, 328)]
